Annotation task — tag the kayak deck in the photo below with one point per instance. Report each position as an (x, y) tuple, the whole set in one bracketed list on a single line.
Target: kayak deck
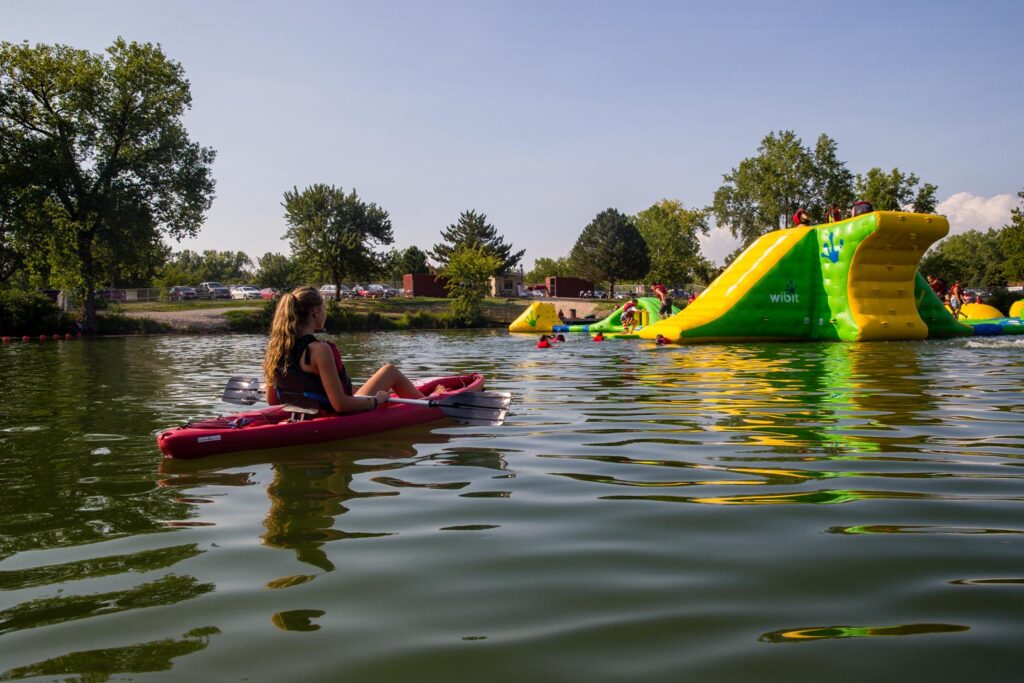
[(272, 427)]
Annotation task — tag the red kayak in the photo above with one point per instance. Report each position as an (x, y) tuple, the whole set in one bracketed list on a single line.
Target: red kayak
[(272, 427)]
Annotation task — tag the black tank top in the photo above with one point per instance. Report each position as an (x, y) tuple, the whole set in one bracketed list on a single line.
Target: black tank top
[(297, 379)]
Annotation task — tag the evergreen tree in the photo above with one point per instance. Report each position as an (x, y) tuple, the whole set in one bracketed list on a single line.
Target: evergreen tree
[(609, 249), (473, 231)]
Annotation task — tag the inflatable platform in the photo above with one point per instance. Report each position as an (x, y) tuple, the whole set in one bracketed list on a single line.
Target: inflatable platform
[(855, 280), (540, 318)]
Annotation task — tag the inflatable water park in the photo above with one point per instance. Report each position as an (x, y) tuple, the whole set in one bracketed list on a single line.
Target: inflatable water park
[(855, 280)]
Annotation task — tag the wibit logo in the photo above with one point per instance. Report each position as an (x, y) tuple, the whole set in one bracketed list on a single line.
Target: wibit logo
[(786, 296), (830, 250)]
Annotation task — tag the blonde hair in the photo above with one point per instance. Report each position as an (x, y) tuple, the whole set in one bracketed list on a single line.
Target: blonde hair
[(293, 310)]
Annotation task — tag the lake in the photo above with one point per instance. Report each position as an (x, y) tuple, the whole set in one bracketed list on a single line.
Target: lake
[(758, 512)]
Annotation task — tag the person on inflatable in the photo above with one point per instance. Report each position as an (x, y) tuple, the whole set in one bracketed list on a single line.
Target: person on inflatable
[(833, 213), (628, 317), (801, 217), (861, 207), (298, 366), (666, 301), (956, 299)]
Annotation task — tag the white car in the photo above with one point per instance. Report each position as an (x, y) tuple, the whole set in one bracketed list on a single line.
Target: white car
[(245, 292), (328, 291)]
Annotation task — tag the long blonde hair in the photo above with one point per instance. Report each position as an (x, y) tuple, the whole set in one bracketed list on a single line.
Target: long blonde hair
[(293, 310)]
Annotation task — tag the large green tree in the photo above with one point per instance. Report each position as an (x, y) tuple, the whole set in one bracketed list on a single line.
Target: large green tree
[(610, 248), (1011, 241), (332, 233), (95, 156), (277, 270), (189, 267), (831, 181), (467, 274), (763, 192), (895, 191), (671, 233), (973, 257), (544, 267), (473, 230), (401, 262)]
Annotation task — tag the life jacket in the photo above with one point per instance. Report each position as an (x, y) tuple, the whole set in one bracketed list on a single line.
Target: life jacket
[(295, 385), (796, 218), (660, 292), (543, 344), (835, 215)]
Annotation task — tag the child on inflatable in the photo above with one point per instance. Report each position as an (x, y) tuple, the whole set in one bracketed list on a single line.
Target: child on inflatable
[(628, 317)]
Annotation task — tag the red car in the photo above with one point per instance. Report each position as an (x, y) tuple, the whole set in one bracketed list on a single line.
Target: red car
[(270, 293)]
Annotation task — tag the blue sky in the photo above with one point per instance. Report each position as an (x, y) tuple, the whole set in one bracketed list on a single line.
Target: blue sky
[(542, 114)]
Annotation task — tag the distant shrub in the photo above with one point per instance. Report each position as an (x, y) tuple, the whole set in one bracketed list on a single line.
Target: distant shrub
[(116, 323), (30, 313)]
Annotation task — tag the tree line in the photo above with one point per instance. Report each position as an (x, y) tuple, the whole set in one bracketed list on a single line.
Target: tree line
[(97, 173)]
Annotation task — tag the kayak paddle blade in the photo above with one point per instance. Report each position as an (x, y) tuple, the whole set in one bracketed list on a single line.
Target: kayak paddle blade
[(244, 391), (479, 408)]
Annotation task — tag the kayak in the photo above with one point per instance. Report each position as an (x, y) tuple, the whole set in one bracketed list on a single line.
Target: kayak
[(273, 427)]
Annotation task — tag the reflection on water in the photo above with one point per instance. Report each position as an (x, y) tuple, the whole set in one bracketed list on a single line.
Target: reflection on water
[(877, 486)]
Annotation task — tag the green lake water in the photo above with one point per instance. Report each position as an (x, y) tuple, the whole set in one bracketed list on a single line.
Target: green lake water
[(761, 512)]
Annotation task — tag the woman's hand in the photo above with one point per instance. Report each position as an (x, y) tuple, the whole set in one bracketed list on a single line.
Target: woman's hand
[(382, 397)]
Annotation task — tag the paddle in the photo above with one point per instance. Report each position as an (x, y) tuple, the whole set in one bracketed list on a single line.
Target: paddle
[(469, 407)]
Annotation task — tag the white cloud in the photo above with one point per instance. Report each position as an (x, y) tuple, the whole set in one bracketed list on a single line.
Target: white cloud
[(718, 244), (967, 211)]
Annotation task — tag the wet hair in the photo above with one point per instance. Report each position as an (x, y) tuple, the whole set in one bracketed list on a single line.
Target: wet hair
[(293, 310)]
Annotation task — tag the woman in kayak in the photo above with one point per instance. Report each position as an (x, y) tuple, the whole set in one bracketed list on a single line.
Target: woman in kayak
[(297, 363)]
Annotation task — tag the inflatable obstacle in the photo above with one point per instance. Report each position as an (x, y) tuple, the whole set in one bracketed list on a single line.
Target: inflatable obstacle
[(540, 317), (855, 280)]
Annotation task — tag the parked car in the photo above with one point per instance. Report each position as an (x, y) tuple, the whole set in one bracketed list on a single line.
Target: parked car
[(180, 293), (328, 292), (270, 293), (380, 291), (245, 292), (112, 294), (212, 290)]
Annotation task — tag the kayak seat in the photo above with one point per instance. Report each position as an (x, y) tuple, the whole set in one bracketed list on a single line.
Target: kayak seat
[(298, 413)]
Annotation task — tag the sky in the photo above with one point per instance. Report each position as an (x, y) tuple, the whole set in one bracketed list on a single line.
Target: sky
[(541, 114)]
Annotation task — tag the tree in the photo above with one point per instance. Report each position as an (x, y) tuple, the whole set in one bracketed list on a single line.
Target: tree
[(95, 146), (473, 230), (548, 267), (468, 271), (331, 233), (1011, 241), (187, 266), (831, 181), (973, 257), (610, 248), (411, 261), (670, 231), (895, 191), (277, 270), (764, 191)]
